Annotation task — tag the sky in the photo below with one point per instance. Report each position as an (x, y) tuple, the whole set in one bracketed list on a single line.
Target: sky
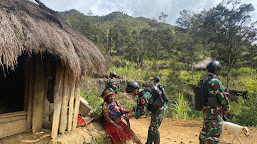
[(136, 8)]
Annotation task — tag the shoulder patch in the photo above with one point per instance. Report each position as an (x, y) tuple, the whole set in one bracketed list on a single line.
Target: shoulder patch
[(142, 101)]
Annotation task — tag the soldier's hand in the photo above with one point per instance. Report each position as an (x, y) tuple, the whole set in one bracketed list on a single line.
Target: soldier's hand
[(127, 117), (129, 111)]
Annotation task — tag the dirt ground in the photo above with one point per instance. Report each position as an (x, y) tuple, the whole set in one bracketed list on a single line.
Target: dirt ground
[(182, 132), (171, 131)]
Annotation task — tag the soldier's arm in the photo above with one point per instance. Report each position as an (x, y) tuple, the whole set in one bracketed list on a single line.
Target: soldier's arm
[(221, 95), (107, 83), (141, 105)]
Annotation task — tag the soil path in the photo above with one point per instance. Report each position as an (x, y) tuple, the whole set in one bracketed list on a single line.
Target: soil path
[(182, 132)]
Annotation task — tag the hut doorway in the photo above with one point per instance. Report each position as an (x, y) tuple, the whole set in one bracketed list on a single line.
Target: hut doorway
[(12, 87)]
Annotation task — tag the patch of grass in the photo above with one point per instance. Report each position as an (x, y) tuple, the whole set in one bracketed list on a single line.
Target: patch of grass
[(104, 140)]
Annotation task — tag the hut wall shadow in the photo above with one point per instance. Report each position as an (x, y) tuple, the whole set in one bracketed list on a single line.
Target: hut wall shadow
[(12, 88)]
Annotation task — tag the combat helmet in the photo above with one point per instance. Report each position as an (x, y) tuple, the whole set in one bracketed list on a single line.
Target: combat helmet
[(213, 66), (112, 74), (156, 79), (132, 86)]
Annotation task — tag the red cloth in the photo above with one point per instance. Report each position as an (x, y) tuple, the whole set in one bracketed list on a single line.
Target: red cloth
[(80, 121), (118, 136)]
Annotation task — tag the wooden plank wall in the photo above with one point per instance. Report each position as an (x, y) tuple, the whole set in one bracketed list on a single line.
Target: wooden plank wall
[(64, 103), (31, 83), (65, 111), (77, 102), (71, 102), (57, 99)]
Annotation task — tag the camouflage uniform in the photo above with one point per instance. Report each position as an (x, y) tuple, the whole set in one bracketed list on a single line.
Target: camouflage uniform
[(112, 83), (212, 127), (156, 117), (147, 83)]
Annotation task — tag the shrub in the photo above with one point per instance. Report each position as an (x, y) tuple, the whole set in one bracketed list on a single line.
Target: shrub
[(180, 108), (245, 110), (94, 100)]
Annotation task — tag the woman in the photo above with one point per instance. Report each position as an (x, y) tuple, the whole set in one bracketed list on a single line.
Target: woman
[(119, 132)]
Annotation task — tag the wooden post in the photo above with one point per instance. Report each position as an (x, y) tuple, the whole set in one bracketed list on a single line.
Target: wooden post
[(64, 103), (31, 92), (46, 102), (57, 100), (26, 84), (77, 102), (37, 114), (71, 103)]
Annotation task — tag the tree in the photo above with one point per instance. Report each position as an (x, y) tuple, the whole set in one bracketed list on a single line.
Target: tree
[(163, 17), (230, 23), (188, 41)]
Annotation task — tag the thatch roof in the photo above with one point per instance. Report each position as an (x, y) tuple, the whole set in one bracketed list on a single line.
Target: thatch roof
[(27, 27), (202, 64)]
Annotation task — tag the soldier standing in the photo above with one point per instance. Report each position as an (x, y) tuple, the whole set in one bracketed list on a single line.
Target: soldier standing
[(112, 82), (217, 105), (144, 100)]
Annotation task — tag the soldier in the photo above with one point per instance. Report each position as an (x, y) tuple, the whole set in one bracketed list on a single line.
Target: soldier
[(144, 101), (112, 82), (147, 83), (217, 105), (156, 83)]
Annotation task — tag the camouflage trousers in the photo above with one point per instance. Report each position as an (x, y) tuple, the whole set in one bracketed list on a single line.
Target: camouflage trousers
[(153, 132), (211, 131)]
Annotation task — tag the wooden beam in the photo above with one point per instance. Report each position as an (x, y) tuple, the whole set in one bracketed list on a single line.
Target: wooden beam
[(77, 102), (57, 99), (64, 103), (37, 114), (31, 93), (71, 102), (26, 83), (47, 76)]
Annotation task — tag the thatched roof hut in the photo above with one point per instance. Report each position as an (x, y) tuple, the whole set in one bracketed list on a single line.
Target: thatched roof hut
[(202, 64), (27, 27), (42, 60)]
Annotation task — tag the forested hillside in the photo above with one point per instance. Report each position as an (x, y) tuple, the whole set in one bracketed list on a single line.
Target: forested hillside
[(147, 47)]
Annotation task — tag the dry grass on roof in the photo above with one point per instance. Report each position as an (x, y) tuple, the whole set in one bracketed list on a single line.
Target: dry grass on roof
[(25, 27)]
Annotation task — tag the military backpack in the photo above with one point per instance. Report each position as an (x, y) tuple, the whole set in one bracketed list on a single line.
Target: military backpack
[(201, 93), (159, 95)]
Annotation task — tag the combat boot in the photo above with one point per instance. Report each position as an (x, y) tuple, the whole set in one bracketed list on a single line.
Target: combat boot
[(149, 137)]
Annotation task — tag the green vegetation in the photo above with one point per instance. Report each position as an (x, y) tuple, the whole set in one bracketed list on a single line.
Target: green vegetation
[(180, 108), (145, 48), (244, 110), (94, 100)]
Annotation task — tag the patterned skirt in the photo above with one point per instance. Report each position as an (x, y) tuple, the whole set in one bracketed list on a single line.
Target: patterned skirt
[(120, 136)]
